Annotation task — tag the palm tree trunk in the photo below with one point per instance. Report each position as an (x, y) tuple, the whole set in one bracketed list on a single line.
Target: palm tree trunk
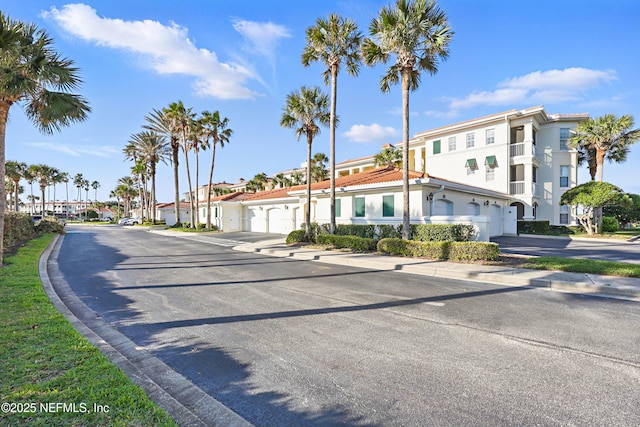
[(213, 162), (332, 149), (406, 219), (307, 212), (175, 154), (42, 188), (4, 115), (186, 163), (597, 213), (153, 193), (197, 188)]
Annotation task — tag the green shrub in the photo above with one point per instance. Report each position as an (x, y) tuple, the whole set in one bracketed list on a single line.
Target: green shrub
[(533, 227), (456, 251), (560, 229), (367, 231), (443, 232), (296, 236), (49, 224), (474, 251), (386, 231), (356, 243), (610, 224), (17, 227)]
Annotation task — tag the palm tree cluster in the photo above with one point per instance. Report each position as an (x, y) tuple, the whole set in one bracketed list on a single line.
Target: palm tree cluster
[(167, 132), (416, 32), (46, 177)]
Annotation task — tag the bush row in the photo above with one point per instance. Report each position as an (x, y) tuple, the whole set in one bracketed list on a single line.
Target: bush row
[(19, 227), (356, 243), (420, 232), (455, 251), (533, 227)]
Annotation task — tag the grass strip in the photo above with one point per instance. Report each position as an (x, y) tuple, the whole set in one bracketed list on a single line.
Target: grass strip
[(51, 375), (588, 266)]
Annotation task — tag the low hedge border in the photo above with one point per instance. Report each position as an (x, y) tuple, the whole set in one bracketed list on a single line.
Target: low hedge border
[(454, 251), (356, 243)]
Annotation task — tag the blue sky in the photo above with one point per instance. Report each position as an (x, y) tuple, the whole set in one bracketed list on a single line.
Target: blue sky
[(243, 59)]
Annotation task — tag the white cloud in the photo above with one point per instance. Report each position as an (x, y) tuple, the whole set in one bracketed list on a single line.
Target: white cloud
[(370, 133), (261, 37), (544, 87), (167, 49), (103, 151)]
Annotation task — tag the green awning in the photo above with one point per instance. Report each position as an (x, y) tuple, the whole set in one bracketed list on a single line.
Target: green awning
[(491, 161), (472, 164)]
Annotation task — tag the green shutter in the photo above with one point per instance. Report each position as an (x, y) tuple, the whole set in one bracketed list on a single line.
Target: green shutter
[(387, 206), (359, 206), (472, 164), (338, 208), (436, 147), (491, 161)]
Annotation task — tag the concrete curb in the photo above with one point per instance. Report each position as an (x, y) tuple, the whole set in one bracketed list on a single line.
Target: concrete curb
[(187, 404)]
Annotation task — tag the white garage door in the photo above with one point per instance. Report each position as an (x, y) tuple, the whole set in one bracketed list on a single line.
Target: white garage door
[(257, 221), (280, 221)]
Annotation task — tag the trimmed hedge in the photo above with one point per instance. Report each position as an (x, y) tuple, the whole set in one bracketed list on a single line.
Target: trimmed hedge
[(17, 227), (296, 236), (420, 232), (455, 251), (443, 232), (50, 224), (356, 243), (533, 227)]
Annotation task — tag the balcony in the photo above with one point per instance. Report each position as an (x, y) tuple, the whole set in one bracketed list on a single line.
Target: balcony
[(521, 149), (519, 187)]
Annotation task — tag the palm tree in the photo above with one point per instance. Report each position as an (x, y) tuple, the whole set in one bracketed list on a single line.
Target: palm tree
[(389, 156), (65, 178), (606, 137), (85, 185), (282, 181), (77, 182), (197, 141), (180, 119), (95, 185), (333, 41), (216, 129), (258, 182), (34, 74), (153, 149), (126, 190), (304, 112), (165, 123), (318, 168), (418, 34), (15, 171), (42, 173), (139, 171)]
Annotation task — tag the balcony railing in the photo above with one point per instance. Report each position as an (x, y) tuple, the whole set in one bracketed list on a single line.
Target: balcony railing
[(518, 187), (520, 148)]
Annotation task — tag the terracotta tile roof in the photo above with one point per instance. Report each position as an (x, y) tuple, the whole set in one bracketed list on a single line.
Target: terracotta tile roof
[(183, 205), (374, 176), (277, 193), (237, 195)]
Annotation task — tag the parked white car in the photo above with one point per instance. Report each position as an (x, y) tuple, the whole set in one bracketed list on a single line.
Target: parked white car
[(130, 221)]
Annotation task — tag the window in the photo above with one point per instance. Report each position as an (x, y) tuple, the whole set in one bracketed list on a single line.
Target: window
[(471, 166), (564, 214), (387, 205), (436, 147), (359, 201), (564, 175), (491, 136), (338, 208), (564, 138), (470, 140), (452, 143)]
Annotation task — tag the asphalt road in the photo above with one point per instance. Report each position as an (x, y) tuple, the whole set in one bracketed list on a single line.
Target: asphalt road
[(609, 250), (288, 342)]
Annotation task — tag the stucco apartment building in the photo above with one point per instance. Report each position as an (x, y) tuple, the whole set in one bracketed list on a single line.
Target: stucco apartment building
[(490, 172)]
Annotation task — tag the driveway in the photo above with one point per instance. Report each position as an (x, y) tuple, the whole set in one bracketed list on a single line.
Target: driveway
[(289, 342), (607, 250)]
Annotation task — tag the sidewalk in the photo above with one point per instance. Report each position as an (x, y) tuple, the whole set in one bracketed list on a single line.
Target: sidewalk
[(580, 283)]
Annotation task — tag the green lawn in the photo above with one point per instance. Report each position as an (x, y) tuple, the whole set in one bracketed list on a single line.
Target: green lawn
[(46, 365), (584, 266)]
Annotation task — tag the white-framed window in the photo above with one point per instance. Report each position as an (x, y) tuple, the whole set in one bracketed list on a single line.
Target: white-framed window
[(564, 138), (452, 143), (490, 173), (491, 136), (564, 175), (359, 206), (471, 140), (564, 214)]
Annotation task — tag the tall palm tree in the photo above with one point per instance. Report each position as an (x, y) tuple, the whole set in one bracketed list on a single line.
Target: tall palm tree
[(216, 129), (418, 34), (304, 112), (15, 171), (139, 171), (607, 136), (65, 178), (197, 141), (126, 190), (333, 41), (86, 185), (78, 180), (95, 185), (42, 174), (180, 119), (318, 168), (55, 178), (165, 122), (34, 74), (153, 149)]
